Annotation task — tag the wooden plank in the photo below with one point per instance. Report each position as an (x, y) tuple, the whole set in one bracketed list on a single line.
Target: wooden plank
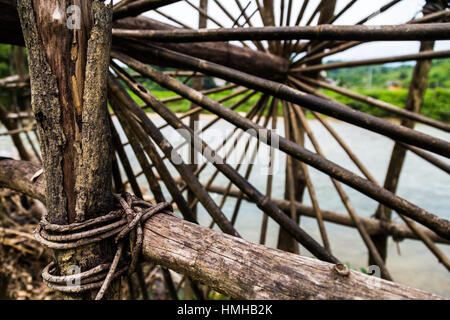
[(246, 270)]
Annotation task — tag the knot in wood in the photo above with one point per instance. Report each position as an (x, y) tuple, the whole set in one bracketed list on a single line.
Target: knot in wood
[(124, 224), (341, 269)]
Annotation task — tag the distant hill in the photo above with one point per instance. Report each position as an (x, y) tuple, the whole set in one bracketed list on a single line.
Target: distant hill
[(379, 76)]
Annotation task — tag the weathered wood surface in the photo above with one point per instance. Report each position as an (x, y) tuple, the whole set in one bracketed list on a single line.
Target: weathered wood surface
[(16, 175), (254, 62), (68, 69), (245, 270), (407, 32), (237, 267)]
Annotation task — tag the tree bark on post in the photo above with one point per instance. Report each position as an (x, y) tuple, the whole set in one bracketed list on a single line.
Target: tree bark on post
[(68, 44)]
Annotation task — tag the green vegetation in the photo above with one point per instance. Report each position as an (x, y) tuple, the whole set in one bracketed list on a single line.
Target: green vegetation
[(436, 104), (184, 105), (371, 81), (379, 76)]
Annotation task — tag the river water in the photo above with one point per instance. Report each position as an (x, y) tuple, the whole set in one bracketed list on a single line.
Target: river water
[(409, 261)]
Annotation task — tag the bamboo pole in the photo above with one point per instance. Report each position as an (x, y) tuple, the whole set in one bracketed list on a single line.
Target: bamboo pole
[(203, 13), (425, 55), (218, 162), (235, 22), (311, 56), (431, 31), (257, 108), (346, 201), (127, 124), (405, 113), (420, 234), (17, 175), (439, 225), (247, 175), (137, 7), (426, 156), (206, 92), (293, 44), (249, 168), (294, 187), (269, 184), (148, 126), (429, 158), (122, 98), (287, 93), (194, 118), (414, 102), (340, 13), (125, 161), (311, 191)]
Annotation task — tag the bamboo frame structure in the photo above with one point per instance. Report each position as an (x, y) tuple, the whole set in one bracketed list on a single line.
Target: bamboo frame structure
[(262, 70)]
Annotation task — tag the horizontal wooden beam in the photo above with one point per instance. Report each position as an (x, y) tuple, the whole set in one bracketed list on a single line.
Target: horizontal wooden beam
[(254, 62), (233, 266), (431, 31), (17, 175), (245, 270), (424, 55), (251, 61), (373, 226)]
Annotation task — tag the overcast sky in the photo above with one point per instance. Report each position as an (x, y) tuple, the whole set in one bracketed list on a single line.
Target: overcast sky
[(401, 12)]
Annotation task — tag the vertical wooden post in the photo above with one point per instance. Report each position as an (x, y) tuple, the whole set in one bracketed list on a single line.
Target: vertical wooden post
[(293, 168), (285, 241), (68, 43), (268, 18), (193, 119), (417, 88)]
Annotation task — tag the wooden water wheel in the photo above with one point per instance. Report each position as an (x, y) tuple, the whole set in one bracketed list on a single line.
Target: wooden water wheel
[(271, 54)]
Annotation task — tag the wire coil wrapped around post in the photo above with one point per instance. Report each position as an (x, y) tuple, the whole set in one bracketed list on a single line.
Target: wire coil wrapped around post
[(123, 223)]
